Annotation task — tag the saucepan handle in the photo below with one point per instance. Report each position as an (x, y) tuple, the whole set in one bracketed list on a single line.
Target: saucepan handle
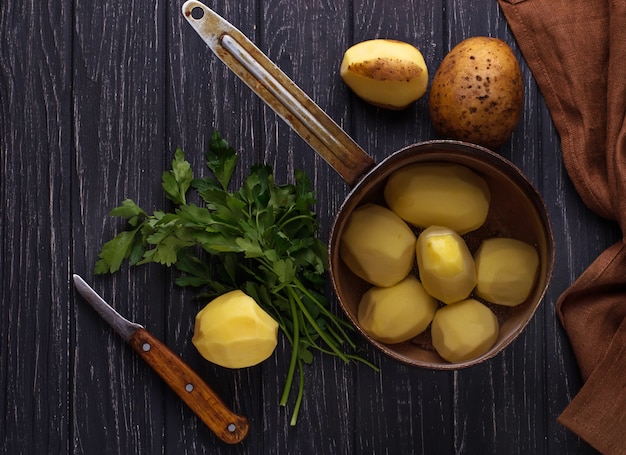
[(280, 93)]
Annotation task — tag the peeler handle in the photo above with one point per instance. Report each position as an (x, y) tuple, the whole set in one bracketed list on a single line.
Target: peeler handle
[(279, 92)]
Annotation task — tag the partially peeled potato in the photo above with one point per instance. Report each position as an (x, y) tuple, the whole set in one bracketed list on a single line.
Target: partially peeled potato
[(386, 73)]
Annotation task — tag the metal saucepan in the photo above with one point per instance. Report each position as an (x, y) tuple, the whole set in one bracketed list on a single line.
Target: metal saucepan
[(517, 210)]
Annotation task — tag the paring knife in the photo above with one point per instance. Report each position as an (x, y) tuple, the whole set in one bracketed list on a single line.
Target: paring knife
[(228, 426)]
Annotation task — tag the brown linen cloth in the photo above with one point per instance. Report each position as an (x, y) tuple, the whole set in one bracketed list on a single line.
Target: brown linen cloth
[(576, 49)]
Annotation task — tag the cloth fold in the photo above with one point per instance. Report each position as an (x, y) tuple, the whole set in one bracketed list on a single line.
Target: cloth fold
[(576, 50)]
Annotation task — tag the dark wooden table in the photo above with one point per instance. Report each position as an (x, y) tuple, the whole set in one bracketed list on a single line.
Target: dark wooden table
[(96, 96)]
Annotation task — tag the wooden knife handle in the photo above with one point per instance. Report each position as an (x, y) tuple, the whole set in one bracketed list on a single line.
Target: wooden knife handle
[(228, 426)]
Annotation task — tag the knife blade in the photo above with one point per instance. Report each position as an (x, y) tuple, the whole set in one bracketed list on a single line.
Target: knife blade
[(274, 87), (206, 404)]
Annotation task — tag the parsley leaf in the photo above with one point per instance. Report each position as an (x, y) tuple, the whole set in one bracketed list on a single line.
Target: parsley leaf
[(177, 181), (115, 251), (221, 159)]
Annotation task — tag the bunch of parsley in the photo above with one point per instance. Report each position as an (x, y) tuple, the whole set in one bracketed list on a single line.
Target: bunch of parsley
[(260, 239)]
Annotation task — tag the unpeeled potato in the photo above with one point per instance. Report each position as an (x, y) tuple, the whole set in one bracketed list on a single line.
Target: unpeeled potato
[(386, 73), (477, 92)]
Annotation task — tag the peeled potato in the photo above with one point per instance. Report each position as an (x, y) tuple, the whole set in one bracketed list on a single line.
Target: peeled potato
[(397, 313), (386, 73), (442, 194), (464, 330), (446, 266), (477, 92), (506, 270), (234, 331), (377, 245)]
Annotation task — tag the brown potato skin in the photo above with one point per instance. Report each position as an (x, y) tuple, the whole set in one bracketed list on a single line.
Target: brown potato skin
[(384, 68), (477, 93)]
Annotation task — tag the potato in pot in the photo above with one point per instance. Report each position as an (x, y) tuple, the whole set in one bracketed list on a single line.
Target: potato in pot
[(397, 313), (443, 194), (506, 270), (464, 330), (446, 266), (377, 245), (477, 92)]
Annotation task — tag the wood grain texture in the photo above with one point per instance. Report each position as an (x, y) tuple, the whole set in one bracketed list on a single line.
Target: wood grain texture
[(35, 98), (95, 98)]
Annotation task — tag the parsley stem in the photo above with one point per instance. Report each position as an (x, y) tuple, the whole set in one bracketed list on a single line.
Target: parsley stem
[(336, 321), (294, 353), (296, 407), (315, 326), (292, 219), (363, 361), (335, 335), (316, 345)]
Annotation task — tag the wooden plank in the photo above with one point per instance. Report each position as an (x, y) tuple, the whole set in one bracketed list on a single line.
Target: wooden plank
[(524, 410), (404, 409), (118, 124), (35, 224), (580, 237), (503, 396), (305, 41), (203, 96)]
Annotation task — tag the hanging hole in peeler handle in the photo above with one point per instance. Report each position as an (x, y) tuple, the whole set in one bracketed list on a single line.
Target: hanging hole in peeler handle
[(197, 13)]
